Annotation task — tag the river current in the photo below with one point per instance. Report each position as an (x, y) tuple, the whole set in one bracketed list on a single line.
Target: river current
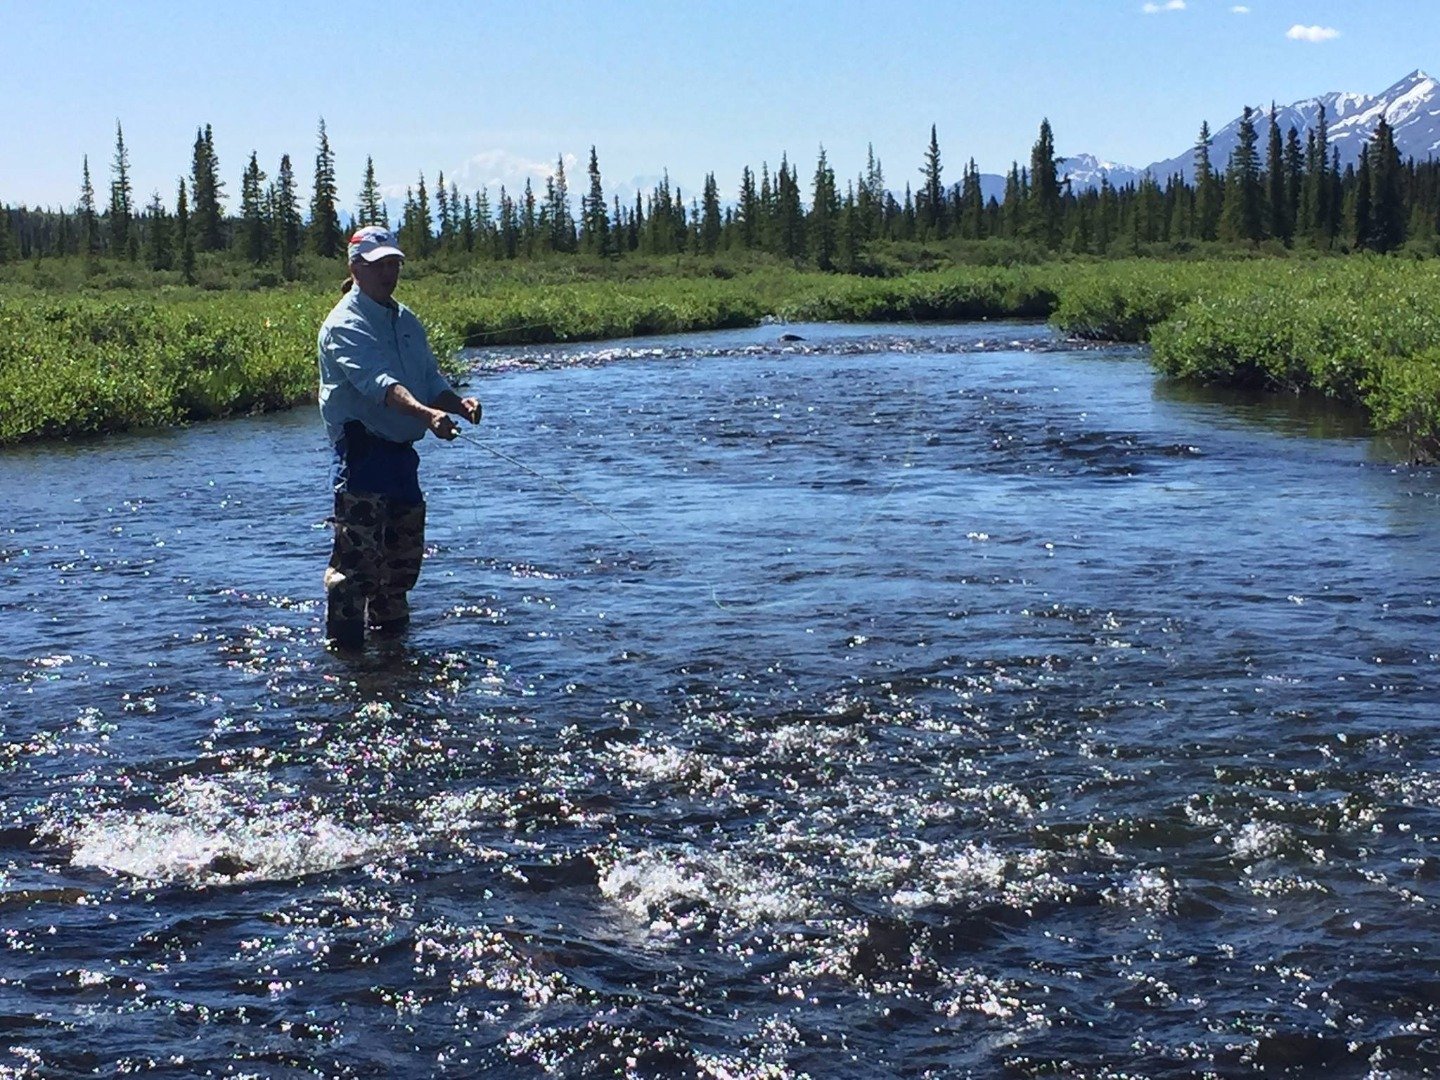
[(919, 702)]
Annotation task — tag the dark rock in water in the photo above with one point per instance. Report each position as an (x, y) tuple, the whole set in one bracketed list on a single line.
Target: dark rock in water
[(791, 337), (229, 865)]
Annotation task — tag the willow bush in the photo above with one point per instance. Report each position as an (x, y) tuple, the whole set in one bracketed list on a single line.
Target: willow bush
[(1362, 330), (77, 365)]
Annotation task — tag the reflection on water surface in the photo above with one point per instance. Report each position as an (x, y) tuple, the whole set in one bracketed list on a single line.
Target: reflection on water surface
[(954, 701)]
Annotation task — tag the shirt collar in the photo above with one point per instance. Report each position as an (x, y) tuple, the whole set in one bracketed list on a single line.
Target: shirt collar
[(373, 306)]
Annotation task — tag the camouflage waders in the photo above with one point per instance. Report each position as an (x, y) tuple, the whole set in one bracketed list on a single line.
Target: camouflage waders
[(375, 561)]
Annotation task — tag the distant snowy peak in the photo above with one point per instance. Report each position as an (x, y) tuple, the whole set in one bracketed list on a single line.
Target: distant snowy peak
[(1411, 107), (1086, 171)]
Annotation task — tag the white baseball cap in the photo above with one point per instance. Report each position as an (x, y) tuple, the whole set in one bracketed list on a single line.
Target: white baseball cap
[(373, 242)]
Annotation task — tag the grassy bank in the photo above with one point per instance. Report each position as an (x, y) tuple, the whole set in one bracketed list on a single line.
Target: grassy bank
[(86, 362), (1361, 330)]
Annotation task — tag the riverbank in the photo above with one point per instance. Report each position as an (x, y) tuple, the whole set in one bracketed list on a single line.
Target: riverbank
[(1360, 330)]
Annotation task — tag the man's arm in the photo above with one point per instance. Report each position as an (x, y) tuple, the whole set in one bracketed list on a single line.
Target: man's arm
[(436, 419)]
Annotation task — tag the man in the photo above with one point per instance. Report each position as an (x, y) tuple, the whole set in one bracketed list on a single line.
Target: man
[(380, 391)]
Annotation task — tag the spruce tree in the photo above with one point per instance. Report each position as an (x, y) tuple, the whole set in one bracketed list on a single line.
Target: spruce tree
[(824, 215), (1315, 199), (507, 227), (409, 212), (1081, 237), (595, 216), (288, 225), (562, 218), (121, 201), (1148, 222), (1294, 164), (647, 233), (423, 226), (534, 220), (206, 187), (1106, 217), (183, 238), (972, 203), (872, 199), (89, 220), (619, 229), (1387, 194), (484, 222), (748, 222), (769, 228), (1335, 201), (325, 238), (1207, 188), (371, 209), (1278, 223), (254, 218), (790, 215), (930, 203), (1179, 210), (65, 235), (1016, 196), (158, 248), (710, 219), (679, 223), (1361, 222), (445, 222), (1242, 218), (1043, 212), (467, 227)]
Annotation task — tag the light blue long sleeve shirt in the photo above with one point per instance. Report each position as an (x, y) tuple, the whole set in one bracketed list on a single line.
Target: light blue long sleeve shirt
[(366, 347)]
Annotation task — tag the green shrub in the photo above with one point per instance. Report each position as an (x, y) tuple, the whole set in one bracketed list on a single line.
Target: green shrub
[(1361, 329)]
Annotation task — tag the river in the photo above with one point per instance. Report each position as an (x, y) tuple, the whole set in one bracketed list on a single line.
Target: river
[(923, 701)]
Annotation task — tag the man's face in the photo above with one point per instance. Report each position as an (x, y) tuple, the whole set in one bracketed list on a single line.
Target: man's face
[(377, 279)]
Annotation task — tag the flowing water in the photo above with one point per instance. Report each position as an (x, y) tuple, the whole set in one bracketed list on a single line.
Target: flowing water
[(943, 701)]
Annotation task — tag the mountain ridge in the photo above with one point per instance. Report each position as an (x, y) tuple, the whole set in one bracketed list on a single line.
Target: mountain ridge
[(1411, 106)]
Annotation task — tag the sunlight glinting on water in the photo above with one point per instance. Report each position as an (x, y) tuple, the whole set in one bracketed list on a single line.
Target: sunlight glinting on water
[(952, 702)]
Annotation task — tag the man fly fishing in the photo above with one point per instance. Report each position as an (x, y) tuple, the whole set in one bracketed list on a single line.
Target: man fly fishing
[(381, 390)]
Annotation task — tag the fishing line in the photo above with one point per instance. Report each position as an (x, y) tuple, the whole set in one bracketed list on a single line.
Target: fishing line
[(506, 330), (553, 483), (714, 589)]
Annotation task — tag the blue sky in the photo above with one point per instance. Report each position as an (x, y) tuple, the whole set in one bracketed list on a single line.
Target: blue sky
[(491, 92)]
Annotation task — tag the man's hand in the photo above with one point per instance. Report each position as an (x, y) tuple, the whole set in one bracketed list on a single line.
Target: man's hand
[(442, 425), (470, 409)]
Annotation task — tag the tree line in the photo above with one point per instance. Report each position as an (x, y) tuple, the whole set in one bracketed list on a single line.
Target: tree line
[(1292, 193)]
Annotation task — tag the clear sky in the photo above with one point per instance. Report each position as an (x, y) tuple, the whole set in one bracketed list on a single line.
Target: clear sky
[(491, 92)]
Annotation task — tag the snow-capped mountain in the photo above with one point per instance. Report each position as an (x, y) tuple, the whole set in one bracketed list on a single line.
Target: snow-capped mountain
[(1085, 171), (1411, 107)]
